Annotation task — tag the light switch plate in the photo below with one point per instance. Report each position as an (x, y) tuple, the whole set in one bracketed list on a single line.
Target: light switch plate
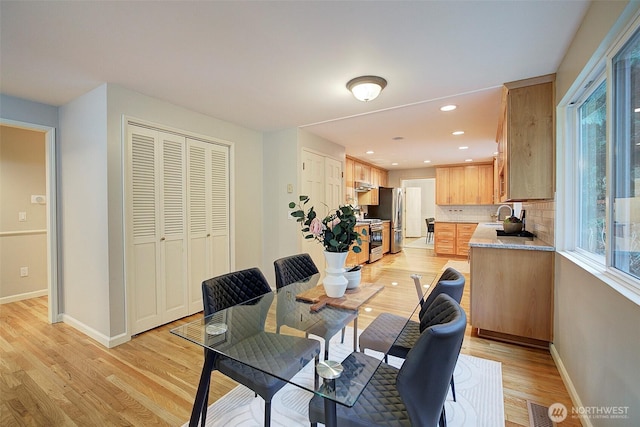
[(22, 216)]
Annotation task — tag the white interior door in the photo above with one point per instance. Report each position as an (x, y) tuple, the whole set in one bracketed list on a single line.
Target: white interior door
[(313, 185), (413, 212)]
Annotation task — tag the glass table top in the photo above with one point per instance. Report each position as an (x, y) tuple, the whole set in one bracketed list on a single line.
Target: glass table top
[(252, 333)]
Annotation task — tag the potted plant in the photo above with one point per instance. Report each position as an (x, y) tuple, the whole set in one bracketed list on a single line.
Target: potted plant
[(512, 224), (336, 233)]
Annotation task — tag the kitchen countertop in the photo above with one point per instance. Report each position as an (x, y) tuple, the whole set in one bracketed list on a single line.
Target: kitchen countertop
[(485, 237)]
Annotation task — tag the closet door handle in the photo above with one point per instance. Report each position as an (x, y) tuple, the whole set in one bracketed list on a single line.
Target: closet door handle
[(162, 239)]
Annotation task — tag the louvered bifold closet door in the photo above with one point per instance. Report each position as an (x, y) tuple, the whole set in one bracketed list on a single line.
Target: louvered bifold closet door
[(208, 215), (143, 272), (157, 261), (173, 242)]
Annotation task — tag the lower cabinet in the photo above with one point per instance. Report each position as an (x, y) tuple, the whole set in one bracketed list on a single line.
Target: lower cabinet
[(512, 295), (452, 238), (363, 256), (386, 237)]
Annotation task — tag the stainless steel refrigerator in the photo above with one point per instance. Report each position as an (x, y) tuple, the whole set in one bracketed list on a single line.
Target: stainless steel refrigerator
[(391, 207)]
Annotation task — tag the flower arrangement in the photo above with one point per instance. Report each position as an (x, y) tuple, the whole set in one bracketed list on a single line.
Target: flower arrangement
[(336, 231)]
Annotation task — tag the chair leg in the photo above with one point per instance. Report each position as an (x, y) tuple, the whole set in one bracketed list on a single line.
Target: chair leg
[(342, 338), (453, 389), (267, 413), (443, 418), (203, 418)]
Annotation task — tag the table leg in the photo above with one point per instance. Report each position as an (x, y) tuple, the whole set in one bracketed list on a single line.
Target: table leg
[(203, 388), (355, 334)]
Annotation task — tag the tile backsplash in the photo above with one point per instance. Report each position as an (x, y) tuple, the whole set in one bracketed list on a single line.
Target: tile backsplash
[(539, 219)]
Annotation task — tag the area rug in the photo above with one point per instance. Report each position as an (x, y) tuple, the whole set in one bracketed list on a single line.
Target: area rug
[(419, 243), (461, 266), (478, 392)]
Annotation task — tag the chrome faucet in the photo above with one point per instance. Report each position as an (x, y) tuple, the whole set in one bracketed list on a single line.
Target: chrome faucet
[(503, 206)]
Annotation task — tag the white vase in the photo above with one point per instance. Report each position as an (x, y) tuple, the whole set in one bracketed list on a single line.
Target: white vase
[(334, 282)]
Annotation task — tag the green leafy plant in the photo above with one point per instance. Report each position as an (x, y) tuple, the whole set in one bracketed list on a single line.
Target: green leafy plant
[(336, 231), (512, 219)]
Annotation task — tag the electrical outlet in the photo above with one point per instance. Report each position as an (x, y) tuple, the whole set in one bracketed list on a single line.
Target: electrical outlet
[(24, 271)]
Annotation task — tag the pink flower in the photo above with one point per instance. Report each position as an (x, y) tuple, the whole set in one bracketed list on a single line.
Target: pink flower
[(333, 223), (315, 227)]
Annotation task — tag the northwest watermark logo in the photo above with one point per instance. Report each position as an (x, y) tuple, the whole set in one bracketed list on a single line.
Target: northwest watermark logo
[(557, 412)]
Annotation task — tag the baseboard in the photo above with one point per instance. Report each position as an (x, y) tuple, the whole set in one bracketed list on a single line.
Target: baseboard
[(101, 338), (27, 295), (566, 379)]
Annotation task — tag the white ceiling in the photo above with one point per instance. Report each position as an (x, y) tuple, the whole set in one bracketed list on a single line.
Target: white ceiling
[(271, 65)]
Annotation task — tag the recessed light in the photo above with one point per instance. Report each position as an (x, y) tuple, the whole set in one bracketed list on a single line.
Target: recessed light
[(469, 160), (394, 164), (369, 152), (427, 161), (463, 148), (458, 132), (450, 107)]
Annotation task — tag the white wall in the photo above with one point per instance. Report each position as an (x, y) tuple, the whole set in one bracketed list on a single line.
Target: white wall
[(596, 333), (84, 205)]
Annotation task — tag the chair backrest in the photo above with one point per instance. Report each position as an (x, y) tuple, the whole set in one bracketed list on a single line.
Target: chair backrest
[(234, 288), (451, 282), (423, 380), (293, 268)]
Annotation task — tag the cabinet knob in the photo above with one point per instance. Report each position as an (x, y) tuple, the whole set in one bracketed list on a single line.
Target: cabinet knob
[(162, 239), (208, 234)]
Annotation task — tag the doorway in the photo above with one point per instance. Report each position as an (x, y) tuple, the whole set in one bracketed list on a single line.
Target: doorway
[(48, 220)]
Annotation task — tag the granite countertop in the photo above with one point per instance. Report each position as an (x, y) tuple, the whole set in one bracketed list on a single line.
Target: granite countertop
[(485, 237)]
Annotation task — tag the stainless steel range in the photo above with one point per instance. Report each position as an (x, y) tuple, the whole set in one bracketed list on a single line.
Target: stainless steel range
[(375, 239)]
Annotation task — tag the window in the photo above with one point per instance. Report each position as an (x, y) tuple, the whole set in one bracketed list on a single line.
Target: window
[(600, 203), (626, 158), (592, 149)]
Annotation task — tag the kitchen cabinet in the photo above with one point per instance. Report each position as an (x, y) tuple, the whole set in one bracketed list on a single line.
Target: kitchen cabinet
[(450, 185), (386, 237), (362, 257), (444, 238), (512, 295), (358, 171), (525, 140), (465, 185), (362, 172), (464, 231), (349, 192)]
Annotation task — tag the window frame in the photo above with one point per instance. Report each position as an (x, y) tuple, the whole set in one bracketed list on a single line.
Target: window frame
[(599, 68)]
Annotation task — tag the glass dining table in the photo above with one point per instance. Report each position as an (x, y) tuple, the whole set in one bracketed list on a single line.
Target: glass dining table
[(225, 333)]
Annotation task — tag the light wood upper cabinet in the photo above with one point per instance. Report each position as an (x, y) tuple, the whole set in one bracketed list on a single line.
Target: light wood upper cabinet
[(358, 171), (526, 140), (464, 185), (349, 191), (362, 172)]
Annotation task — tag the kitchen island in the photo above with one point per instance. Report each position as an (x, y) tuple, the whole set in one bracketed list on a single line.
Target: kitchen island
[(511, 287)]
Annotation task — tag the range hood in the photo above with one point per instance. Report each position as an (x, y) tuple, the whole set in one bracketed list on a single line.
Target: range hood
[(362, 186)]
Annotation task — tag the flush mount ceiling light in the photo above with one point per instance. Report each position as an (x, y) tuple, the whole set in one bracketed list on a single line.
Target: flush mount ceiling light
[(448, 107), (366, 88)]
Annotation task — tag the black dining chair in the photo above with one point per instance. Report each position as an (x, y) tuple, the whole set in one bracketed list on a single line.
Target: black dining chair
[(245, 286), (430, 228), (415, 394), (380, 335), (295, 268)]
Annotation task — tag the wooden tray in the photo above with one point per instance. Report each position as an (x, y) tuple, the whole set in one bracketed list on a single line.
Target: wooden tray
[(352, 299)]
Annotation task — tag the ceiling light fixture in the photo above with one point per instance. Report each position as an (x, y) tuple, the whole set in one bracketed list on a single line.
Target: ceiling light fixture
[(369, 152), (463, 148), (469, 160), (366, 88), (458, 132), (448, 107), (427, 161)]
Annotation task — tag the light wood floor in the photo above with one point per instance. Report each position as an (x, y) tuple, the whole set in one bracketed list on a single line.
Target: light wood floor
[(52, 375)]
